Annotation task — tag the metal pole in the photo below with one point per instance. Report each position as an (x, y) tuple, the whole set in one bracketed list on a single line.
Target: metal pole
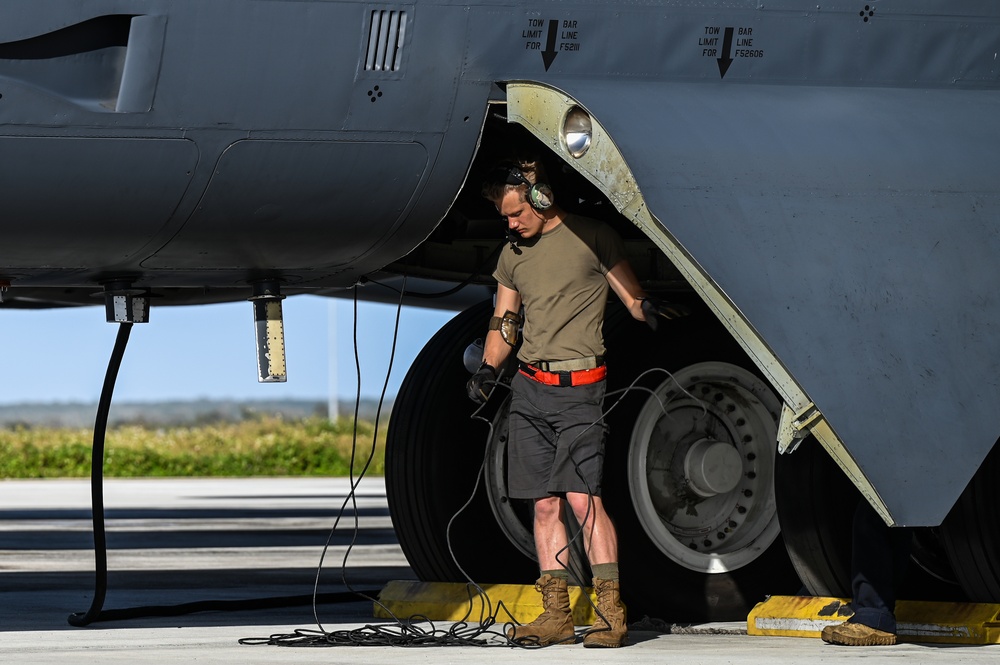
[(333, 406)]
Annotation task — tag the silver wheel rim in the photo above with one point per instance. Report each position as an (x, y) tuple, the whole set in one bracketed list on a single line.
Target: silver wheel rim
[(511, 517), (701, 467)]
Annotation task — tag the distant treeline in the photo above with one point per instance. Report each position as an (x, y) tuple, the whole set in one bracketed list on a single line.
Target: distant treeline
[(178, 413), (259, 446)]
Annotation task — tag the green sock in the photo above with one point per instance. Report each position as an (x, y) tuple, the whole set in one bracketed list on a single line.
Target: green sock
[(605, 571), (561, 573)]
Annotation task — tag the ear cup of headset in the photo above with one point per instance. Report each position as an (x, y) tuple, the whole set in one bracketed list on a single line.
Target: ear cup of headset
[(540, 196)]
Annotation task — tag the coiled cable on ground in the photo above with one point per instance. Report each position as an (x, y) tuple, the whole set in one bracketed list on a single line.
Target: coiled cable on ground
[(403, 632)]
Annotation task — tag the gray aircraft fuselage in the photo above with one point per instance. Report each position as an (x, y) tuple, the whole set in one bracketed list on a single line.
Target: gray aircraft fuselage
[(831, 167)]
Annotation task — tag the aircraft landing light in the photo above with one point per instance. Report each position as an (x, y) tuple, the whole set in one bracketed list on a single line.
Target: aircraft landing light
[(917, 621)]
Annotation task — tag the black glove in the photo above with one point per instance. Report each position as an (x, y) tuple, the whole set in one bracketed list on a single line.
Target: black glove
[(481, 384), (654, 309)]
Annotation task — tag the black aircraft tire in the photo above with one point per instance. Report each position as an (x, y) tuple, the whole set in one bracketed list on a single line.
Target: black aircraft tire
[(653, 583), (434, 451), (816, 504), (970, 534)]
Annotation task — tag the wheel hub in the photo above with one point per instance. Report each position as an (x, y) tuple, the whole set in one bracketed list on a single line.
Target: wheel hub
[(712, 468)]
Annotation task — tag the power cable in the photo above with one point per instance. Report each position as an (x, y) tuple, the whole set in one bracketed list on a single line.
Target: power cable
[(97, 481), (96, 613), (577, 534), (407, 633), (403, 633)]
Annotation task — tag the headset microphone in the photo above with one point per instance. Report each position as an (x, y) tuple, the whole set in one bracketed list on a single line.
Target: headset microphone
[(512, 238)]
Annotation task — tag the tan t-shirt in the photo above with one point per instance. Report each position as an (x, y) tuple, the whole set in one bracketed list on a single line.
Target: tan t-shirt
[(560, 276)]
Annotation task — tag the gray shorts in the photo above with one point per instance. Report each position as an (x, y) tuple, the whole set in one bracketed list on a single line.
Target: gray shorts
[(555, 440)]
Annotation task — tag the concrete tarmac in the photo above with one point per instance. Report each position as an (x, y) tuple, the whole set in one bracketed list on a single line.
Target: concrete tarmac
[(177, 541)]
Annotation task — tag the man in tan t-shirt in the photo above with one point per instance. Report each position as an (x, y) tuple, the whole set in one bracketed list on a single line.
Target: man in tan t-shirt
[(560, 268)]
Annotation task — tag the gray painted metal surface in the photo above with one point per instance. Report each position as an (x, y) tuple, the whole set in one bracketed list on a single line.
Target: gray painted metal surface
[(854, 227), (869, 274), (202, 144), (840, 188)]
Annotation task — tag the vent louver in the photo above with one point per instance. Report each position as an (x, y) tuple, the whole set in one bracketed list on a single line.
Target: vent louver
[(385, 40)]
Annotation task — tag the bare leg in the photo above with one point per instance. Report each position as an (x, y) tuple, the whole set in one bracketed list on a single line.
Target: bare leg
[(555, 624), (600, 538), (601, 541), (550, 533)]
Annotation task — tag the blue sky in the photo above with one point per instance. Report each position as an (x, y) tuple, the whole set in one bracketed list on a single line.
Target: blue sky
[(205, 351)]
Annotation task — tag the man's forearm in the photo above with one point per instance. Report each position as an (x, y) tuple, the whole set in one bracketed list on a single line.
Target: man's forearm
[(495, 350)]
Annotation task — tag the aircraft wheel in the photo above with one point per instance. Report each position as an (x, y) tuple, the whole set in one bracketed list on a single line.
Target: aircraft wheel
[(434, 459), (970, 535), (435, 452), (816, 505), (515, 516), (689, 473)]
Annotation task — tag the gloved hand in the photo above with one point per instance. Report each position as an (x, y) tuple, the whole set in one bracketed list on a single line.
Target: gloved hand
[(654, 309), (480, 385)]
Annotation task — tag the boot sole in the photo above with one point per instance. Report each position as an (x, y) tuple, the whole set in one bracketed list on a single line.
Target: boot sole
[(595, 642), (830, 636), (531, 640), (598, 645), (872, 641), (528, 642)]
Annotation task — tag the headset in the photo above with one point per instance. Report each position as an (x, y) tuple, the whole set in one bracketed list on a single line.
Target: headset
[(539, 197)]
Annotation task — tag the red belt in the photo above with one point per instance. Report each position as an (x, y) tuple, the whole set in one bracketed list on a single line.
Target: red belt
[(580, 377)]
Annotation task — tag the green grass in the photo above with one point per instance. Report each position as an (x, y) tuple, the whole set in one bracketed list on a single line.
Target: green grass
[(261, 447)]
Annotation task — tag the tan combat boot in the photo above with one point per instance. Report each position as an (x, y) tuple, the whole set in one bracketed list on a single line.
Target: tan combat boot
[(553, 625), (857, 635), (609, 631)]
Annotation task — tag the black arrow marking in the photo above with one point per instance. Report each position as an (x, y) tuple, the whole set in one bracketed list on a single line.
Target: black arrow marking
[(727, 51), (549, 54)]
